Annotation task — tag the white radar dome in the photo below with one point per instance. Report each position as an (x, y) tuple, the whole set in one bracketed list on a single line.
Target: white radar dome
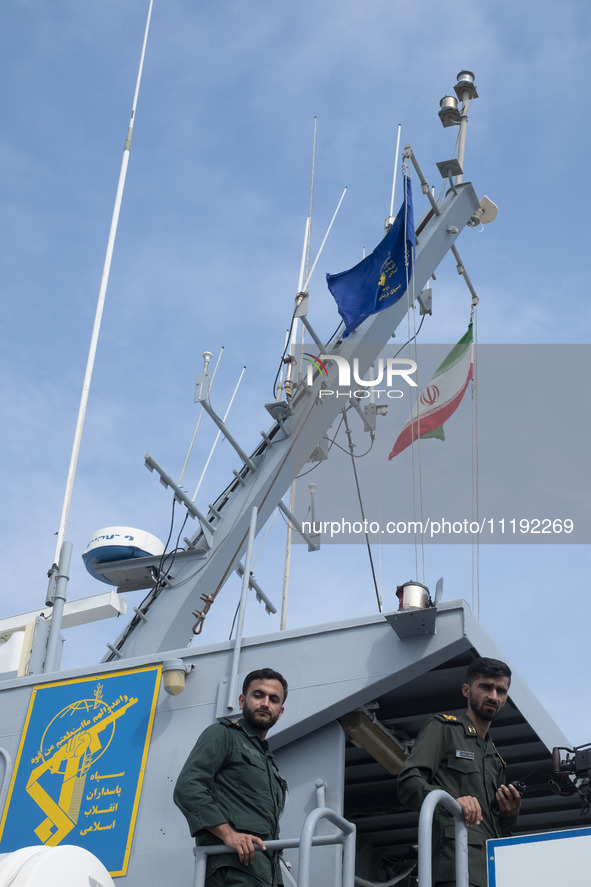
[(118, 544), (63, 866)]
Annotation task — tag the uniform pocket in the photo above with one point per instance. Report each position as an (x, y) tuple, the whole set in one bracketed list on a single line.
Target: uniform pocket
[(253, 758), (476, 836), (465, 774), (463, 765)]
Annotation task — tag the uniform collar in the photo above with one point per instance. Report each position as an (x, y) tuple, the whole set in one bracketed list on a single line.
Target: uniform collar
[(251, 733), (470, 728)]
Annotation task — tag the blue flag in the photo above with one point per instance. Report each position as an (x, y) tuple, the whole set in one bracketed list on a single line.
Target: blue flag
[(380, 279)]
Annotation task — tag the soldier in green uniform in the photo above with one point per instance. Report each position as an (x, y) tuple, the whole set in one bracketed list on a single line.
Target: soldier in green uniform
[(230, 789), (456, 754)]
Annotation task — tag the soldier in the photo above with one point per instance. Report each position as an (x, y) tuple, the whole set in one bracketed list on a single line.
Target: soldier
[(230, 789), (456, 754)]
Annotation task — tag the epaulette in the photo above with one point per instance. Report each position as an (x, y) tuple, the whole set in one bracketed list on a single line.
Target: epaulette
[(469, 728), (228, 722), (448, 719)]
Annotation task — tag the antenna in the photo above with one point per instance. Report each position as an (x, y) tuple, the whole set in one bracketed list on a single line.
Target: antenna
[(305, 255), (325, 239), (308, 243), (207, 355), (218, 434), (311, 194), (390, 219), (301, 299), (97, 325)]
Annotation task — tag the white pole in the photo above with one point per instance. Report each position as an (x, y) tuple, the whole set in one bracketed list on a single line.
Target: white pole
[(218, 435), (391, 217), (305, 251), (311, 196), (199, 420), (287, 561), (302, 287), (53, 641), (98, 317), (296, 324), (292, 491), (462, 134), (231, 701), (325, 239)]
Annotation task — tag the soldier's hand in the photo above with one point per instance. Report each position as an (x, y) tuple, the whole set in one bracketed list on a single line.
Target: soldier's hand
[(244, 844), (509, 801), (471, 809)]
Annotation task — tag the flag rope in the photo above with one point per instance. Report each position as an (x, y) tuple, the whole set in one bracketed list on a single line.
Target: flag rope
[(475, 462), (416, 470), (414, 426)]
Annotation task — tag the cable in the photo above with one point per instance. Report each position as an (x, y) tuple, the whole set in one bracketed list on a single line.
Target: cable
[(282, 360), (335, 332), (309, 471), (412, 337), (354, 455), (234, 622), (369, 554)]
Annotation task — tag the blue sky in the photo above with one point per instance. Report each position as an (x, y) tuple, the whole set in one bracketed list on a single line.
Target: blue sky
[(208, 255)]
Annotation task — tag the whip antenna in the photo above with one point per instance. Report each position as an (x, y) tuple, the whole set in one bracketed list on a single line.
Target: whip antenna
[(325, 239), (390, 219), (97, 322)]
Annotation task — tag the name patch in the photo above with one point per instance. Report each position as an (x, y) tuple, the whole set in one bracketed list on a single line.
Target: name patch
[(468, 755)]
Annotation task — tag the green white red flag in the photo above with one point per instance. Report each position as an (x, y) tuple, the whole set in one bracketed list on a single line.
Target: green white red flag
[(442, 396)]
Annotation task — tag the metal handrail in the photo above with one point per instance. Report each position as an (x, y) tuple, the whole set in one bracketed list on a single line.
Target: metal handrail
[(347, 839), (305, 842), (432, 800), (5, 776)]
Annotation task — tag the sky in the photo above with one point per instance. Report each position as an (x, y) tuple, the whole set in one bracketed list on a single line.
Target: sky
[(208, 254)]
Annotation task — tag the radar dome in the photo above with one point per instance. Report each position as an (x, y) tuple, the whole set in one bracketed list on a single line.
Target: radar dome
[(118, 544), (62, 866)]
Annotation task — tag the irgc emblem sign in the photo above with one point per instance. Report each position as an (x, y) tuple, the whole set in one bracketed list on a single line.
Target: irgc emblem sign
[(78, 774)]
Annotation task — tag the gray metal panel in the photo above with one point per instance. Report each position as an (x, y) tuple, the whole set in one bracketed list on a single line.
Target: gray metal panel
[(319, 755), (331, 670)]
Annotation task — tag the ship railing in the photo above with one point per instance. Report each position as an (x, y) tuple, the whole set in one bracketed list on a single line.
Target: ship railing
[(5, 776), (305, 842), (432, 801)]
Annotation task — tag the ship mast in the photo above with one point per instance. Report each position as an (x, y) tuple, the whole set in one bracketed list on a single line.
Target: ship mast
[(214, 551), (302, 284), (186, 590)]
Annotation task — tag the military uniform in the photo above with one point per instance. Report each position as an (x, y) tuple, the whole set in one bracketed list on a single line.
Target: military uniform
[(230, 776), (450, 755)]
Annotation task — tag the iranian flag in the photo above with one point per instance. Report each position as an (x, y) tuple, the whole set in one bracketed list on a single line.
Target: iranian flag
[(441, 397)]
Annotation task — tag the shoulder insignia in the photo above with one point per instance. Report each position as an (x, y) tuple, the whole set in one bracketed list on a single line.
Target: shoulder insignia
[(470, 729), (453, 720)]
